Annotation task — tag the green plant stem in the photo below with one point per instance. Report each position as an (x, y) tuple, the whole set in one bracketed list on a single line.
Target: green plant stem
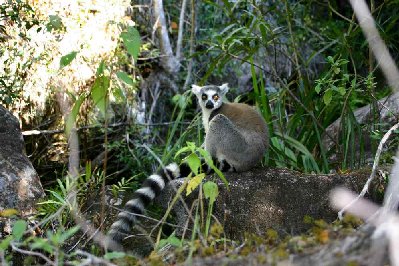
[(103, 203)]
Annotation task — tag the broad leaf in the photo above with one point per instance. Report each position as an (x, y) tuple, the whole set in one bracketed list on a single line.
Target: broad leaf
[(131, 39), (55, 23), (327, 97), (18, 229), (125, 78), (194, 183), (67, 59), (194, 162), (211, 191), (99, 92)]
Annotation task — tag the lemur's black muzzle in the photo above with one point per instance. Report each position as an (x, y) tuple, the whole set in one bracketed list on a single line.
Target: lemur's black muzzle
[(209, 105)]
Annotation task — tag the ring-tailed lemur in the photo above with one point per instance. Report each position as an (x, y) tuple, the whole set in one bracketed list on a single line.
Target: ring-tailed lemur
[(236, 137)]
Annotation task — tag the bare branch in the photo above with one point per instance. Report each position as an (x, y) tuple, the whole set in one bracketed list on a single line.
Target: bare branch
[(192, 40), (33, 253), (168, 61), (180, 33), (373, 171)]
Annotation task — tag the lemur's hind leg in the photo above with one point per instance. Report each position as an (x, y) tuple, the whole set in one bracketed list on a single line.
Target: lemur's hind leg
[(226, 143)]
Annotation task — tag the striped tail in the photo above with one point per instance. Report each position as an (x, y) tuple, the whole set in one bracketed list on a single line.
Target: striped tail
[(142, 197), (150, 189)]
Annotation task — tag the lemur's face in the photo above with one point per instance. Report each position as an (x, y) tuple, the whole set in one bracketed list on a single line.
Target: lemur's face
[(210, 97)]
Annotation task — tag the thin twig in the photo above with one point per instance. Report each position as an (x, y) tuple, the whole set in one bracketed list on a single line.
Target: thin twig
[(32, 253), (373, 171)]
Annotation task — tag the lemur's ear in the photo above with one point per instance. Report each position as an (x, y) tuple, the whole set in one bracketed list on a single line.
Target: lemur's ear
[(224, 88), (195, 89)]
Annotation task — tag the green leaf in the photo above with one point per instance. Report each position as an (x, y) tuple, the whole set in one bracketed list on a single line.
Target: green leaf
[(290, 154), (55, 23), (67, 59), (341, 90), (67, 234), (18, 229), (40, 243), (211, 191), (114, 255), (100, 69), (71, 119), (194, 162), (131, 39), (190, 147), (327, 97), (99, 92), (125, 78), (194, 183), (208, 160), (172, 240), (318, 88), (263, 30), (5, 243), (299, 147)]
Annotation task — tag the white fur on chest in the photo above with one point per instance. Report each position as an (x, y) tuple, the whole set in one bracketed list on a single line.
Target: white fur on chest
[(205, 118)]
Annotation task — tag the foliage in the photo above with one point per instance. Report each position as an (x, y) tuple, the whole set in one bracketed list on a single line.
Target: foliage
[(251, 33), (36, 248), (308, 65), (22, 16)]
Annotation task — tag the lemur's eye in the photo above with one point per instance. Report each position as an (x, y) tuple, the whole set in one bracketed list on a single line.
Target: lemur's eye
[(215, 97), (204, 97)]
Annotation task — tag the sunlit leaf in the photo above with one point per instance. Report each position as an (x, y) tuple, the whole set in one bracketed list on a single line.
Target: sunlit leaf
[(67, 59), (55, 23), (8, 212), (194, 183)]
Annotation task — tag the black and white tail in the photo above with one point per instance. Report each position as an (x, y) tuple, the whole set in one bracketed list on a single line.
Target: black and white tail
[(150, 189)]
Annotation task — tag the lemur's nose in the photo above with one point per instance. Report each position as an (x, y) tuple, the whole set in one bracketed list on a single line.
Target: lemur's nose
[(209, 105)]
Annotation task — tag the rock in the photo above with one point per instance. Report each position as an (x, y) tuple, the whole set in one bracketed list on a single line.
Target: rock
[(270, 198), (20, 186), (388, 112), (361, 247)]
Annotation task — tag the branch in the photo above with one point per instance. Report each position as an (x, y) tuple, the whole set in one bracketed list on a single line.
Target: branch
[(192, 40), (169, 62), (374, 169), (180, 33), (32, 253)]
